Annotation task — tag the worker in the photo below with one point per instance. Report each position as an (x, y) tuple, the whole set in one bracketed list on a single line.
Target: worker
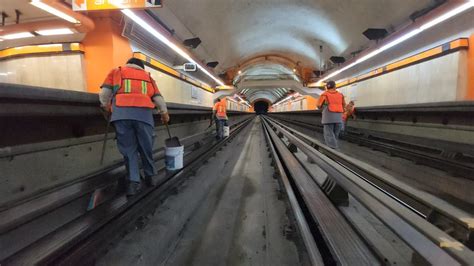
[(131, 94), (332, 104), (349, 112), (219, 115)]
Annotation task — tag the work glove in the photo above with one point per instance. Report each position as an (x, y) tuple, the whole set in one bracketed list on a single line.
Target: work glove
[(165, 118)]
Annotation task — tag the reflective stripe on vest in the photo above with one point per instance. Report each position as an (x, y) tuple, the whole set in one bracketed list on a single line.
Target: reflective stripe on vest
[(334, 101), (144, 87), (127, 83), (136, 88)]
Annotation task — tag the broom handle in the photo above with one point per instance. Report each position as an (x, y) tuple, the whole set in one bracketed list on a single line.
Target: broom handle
[(104, 142), (167, 127)]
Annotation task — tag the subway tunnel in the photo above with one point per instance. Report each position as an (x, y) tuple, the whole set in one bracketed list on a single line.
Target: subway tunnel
[(219, 132)]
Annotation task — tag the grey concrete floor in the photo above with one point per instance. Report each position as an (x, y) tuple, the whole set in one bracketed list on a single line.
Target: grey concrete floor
[(227, 214)]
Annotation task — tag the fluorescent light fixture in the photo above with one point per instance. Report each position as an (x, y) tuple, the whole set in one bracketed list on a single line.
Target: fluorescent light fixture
[(54, 11), (168, 43), (469, 4), (61, 31), (18, 35)]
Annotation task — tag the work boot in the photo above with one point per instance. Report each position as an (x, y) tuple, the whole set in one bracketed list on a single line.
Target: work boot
[(149, 181), (133, 188)]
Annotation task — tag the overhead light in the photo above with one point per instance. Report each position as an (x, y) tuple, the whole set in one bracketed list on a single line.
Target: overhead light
[(294, 69), (54, 11), (240, 72), (18, 35), (54, 32), (168, 43), (404, 37)]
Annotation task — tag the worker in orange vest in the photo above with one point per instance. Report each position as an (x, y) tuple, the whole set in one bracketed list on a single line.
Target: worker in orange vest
[(131, 94), (332, 104), (349, 112), (219, 115)]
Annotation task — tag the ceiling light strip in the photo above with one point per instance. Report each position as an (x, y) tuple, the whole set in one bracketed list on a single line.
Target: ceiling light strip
[(54, 11), (458, 10), (139, 21), (50, 32), (18, 35)]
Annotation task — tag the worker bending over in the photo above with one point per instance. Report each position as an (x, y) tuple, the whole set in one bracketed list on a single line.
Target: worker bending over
[(219, 115), (332, 104), (131, 94)]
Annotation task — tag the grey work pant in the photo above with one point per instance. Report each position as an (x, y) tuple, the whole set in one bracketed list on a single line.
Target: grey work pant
[(220, 123), (331, 134), (134, 139)]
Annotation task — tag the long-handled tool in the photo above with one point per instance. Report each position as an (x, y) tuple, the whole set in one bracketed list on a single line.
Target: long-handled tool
[(104, 143), (171, 141)]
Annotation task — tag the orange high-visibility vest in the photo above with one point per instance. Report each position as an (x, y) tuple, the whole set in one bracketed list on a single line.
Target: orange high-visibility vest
[(132, 87), (220, 109), (334, 100)]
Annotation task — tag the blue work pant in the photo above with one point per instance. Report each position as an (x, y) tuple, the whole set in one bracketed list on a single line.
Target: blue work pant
[(220, 123), (331, 134), (133, 138)]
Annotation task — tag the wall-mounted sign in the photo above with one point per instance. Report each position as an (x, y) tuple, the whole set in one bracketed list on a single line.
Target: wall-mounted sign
[(89, 5)]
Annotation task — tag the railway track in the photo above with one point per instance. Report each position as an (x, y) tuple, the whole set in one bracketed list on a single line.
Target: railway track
[(418, 154), (437, 232), (80, 239)]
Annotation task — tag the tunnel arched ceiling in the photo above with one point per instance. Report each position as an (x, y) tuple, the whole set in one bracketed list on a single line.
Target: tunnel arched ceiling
[(265, 71), (234, 32), (271, 94)]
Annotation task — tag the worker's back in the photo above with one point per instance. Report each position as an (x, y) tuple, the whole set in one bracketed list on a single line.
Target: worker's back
[(220, 109), (332, 107)]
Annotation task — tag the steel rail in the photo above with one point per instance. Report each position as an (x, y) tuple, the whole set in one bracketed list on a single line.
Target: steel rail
[(32, 207), (462, 169), (419, 200), (437, 247), (344, 243), (305, 232), (56, 244)]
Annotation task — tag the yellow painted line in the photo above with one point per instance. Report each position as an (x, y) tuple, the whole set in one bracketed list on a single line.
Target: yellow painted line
[(416, 58), (462, 43), (164, 68), (39, 49)]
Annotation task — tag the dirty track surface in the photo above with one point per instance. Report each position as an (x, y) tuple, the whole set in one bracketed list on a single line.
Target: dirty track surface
[(227, 214)]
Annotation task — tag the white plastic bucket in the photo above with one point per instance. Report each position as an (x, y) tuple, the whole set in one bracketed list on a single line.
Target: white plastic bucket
[(174, 157), (226, 131)]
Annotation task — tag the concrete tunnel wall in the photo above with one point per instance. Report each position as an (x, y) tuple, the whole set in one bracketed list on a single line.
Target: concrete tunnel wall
[(67, 72), (438, 80), (59, 71)]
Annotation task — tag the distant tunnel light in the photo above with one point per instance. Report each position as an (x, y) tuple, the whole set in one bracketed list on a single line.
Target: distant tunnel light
[(18, 35), (469, 4), (54, 11), (168, 43), (62, 31)]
